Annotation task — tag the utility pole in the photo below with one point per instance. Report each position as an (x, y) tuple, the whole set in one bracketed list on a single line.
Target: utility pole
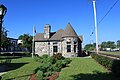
[(95, 22)]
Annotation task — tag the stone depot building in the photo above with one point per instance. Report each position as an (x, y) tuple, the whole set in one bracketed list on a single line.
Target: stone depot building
[(66, 42)]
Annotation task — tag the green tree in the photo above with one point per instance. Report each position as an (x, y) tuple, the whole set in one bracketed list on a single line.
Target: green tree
[(111, 44), (94, 45), (89, 47), (27, 41), (118, 43), (104, 44), (4, 40), (108, 44)]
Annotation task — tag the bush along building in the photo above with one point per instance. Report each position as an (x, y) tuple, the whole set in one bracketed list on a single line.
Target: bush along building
[(66, 42)]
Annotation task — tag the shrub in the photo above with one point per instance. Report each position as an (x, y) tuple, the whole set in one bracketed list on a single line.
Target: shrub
[(116, 67), (45, 56), (45, 67), (59, 64), (38, 59), (40, 75), (109, 63), (106, 62), (49, 73), (50, 60), (45, 59), (58, 56), (56, 69), (67, 60), (36, 70), (49, 65)]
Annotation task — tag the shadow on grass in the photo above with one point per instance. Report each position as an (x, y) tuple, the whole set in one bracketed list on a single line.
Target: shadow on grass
[(12, 66), (95, 76), (7, 59)]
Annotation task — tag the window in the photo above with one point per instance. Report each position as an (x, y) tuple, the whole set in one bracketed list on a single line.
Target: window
[(74, 48), (68, 48), (54, 43), (55, 49), (68, 42), (13, 42), (75, 42)]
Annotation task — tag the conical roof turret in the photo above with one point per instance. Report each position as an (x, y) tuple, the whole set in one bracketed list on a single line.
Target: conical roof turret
[(69, 31)]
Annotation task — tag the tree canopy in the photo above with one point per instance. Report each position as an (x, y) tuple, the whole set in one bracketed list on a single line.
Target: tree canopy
[(108, 44), (4, 40), (118, 43), (27, 41), (89, 47)]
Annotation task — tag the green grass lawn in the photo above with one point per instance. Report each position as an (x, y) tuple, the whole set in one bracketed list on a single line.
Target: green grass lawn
[(20, 69), (3, 59), (85, 69), (114, 53), (78, 69)]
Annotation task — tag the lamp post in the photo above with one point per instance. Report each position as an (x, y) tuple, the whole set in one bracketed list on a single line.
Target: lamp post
[(3, 11)]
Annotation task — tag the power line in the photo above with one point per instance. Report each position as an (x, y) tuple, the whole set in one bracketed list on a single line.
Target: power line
[(105, 15), (108, 11)]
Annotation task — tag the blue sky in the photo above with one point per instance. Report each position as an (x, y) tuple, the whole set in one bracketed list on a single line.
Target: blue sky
[(23, 14)]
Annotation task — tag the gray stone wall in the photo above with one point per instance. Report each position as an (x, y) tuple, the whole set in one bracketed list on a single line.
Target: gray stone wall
[(71, 40), (41, 48), (59, 45), (47, 47)]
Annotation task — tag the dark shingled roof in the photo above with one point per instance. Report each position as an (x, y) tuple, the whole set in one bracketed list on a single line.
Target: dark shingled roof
[(39, 37), (57, 35), (69, 31)]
